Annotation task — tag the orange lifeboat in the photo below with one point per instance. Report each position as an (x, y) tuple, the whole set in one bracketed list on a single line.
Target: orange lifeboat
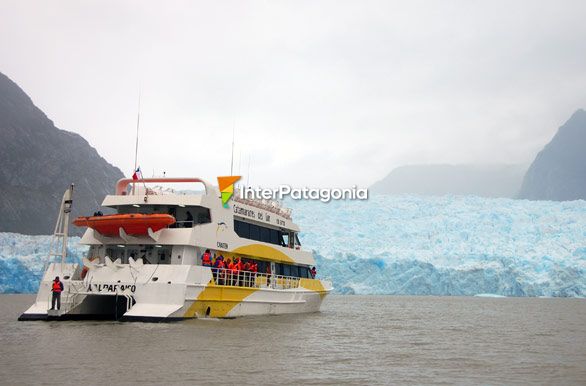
[(135, 224)]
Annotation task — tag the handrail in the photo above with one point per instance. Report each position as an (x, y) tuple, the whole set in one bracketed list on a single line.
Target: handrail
[(123, 183), (227, 277), (68, 298)]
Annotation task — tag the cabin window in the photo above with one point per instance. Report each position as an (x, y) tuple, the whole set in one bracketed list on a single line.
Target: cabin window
[(185, 217), (254, 232), (262, 266), (242, 229), (286, 270), (304, 272), (148, 253), (284, 239), (265, 234), (294, 271), (274, 236), (297, 242), (259, 233), (190, 216)]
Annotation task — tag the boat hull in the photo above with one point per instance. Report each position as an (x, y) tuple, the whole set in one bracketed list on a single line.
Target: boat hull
[(179, 292)]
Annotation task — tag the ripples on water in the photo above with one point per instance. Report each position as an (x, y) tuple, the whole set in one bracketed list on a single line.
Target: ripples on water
[(354, 340)]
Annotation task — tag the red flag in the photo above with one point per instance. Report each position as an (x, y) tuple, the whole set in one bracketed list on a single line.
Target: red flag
[(137, 174)]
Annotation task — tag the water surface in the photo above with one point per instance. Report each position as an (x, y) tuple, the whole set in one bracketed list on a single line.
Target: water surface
[(354, 340)]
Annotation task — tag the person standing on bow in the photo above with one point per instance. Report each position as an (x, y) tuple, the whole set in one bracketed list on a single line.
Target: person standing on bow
[(57, 288)]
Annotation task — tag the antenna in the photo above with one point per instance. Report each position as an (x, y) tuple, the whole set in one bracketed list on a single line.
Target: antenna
[(248, 172), (232, 160), (136, 145), (137, 126), (239, 161)]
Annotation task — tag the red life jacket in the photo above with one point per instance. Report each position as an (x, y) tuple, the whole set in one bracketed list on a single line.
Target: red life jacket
[(206, 259), (220, 264), (232, 267), (57, 286)]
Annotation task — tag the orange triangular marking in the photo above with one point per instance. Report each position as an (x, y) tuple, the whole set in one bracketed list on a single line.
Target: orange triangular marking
[(226, 181)]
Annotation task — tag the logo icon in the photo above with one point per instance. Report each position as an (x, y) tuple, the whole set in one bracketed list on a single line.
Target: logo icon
[(226, 185)]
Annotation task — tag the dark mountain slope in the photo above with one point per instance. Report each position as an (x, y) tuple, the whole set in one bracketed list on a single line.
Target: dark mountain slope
[(559, 170), (38, 162)]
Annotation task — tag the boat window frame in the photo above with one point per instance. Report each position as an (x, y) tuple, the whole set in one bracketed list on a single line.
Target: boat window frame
[(260, 233)]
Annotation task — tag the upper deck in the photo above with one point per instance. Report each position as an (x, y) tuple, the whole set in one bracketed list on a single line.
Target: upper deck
[(262, 229)]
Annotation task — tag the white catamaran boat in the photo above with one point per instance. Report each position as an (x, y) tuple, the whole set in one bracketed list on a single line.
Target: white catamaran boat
[(150, 260)]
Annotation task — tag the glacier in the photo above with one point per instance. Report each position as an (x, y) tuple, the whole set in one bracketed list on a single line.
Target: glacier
[(23, 258), (407, 245), (448, 245)]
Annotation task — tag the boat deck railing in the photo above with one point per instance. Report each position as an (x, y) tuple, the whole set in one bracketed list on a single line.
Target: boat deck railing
[(227, 277), (268, 205)]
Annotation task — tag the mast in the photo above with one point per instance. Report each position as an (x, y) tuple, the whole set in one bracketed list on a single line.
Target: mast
[(61, 231), (136, 145), (248, 172), (66, 207), (232, 159), (137, 126), (239, 161)]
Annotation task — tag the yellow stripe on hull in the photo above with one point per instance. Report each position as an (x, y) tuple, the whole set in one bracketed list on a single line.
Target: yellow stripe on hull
[(313, 285), (219, 299)]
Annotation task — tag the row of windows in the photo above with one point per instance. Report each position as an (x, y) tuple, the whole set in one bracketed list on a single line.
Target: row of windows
[(185, 217), (259, 233), (293, 270)]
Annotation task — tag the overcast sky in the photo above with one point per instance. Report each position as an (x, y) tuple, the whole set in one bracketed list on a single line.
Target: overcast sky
[(320, 93)]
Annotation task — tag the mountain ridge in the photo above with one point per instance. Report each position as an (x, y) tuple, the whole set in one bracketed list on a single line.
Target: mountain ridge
[(39, 161), (559, 170), (488, 180)]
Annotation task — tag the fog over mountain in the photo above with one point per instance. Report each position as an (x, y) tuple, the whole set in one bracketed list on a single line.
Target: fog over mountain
[(347, 90), (559, 170), (39, 161), (437, 180)]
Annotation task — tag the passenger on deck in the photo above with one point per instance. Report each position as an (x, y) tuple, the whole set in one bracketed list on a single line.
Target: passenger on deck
[(245, 274), (233, 273), (313, 272), (219, 259), (188, 220), (268, 271), (239, 267), (206, 259), (253, 271), (219, 270)]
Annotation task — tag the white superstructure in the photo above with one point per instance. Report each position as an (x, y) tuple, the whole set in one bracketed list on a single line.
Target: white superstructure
[(158, 276)]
